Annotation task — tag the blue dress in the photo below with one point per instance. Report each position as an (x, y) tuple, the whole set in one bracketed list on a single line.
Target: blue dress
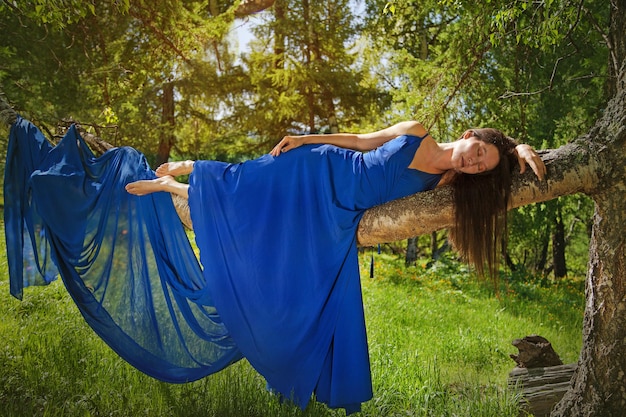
[(279, 282)]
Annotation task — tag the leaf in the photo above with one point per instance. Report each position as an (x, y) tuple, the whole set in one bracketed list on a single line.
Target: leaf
[(389, 8)]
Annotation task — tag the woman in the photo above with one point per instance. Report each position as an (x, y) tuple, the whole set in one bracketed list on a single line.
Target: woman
[(480, 202), (277, 239)]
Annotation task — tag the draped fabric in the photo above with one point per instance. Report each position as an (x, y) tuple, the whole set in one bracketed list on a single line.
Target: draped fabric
[(277, 239), (125, 260), (279, 235)]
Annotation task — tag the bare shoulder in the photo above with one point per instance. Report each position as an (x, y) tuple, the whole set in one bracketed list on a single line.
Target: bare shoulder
[(414, 128)]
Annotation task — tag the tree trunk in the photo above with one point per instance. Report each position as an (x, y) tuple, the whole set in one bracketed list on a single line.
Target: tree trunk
[(507, 257), (540, 265), (279, 35), (411, 251), (599, 384), (167, 124), (558, 245)]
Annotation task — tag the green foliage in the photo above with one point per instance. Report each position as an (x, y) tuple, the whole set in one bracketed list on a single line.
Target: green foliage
[(56, 13), (109, 65)]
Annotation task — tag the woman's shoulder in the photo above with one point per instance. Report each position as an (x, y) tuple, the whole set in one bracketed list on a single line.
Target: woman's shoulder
[(414, 128)]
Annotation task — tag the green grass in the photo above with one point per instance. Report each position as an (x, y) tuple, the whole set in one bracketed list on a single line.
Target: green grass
[(439, 345)]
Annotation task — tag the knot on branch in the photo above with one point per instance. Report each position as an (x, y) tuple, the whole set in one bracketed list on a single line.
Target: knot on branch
[(535, 352)]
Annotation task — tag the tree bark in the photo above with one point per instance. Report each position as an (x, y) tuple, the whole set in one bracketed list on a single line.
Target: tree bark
[(543, 255), (279, 36)]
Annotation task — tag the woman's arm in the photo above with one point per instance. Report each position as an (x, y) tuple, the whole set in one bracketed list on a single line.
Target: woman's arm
[(358, 142)]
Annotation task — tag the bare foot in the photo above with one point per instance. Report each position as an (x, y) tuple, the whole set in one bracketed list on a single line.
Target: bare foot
[(144, 187), (175, 168)]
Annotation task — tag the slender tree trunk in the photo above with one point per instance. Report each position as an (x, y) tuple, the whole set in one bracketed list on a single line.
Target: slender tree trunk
[(167, 124), (279, 35), (308, 59), (507, 257), (540, 265), (411, 251), (558, 245)]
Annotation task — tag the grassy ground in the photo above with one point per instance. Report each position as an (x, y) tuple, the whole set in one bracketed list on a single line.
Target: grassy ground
[(439, 346)]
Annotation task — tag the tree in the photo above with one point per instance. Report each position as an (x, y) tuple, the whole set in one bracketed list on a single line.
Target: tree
[(303, 70)]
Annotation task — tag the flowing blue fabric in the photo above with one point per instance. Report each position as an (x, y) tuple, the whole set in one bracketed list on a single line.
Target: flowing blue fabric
[(125, 260), (277, 239)]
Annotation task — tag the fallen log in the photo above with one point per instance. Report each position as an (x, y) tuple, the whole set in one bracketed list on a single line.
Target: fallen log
[(540, 388), (540, 377)]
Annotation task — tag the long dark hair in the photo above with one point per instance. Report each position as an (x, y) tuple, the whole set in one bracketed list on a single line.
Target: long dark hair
[(481, 204)]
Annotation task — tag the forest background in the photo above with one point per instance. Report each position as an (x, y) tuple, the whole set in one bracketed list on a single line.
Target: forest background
[(168, 78)]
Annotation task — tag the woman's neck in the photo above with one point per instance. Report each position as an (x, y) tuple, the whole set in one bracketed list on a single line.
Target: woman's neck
[(433, 157)]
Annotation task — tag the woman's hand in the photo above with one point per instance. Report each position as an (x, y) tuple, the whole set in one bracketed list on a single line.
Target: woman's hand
[(286, 144), (527, 155)]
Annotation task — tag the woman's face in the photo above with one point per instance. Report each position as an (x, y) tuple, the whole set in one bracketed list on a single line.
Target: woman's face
[(473, 156)]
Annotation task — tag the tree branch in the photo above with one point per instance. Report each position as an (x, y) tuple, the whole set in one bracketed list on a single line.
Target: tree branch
[(248, 7)]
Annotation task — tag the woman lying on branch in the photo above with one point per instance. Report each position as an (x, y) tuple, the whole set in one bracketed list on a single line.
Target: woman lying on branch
[(480, 202)]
